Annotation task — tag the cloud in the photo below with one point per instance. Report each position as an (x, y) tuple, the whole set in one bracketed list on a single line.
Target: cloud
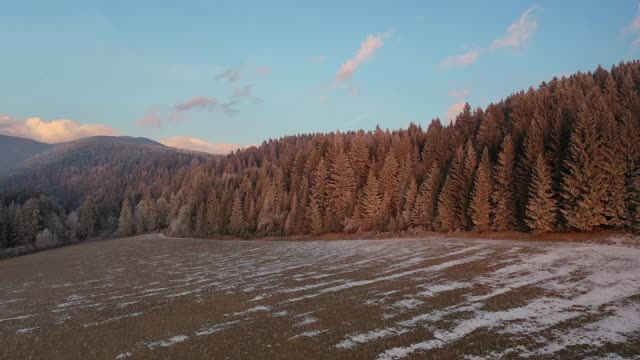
[(318, 58), (228, 107), (245, 92), (460, 60), (230, 76), (461, 93), (54, 131), (197, 102), (454, 110), (368, 48), (264, 70), (519, 32), (191, 143), (151, 119)]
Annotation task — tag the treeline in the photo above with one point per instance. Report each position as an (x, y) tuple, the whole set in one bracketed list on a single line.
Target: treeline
[(40, 223), (564, 157)]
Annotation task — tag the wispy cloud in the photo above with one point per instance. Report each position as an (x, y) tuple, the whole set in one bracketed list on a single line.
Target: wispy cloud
[(454, 111), (460, 60), (264, 70), (51, 131), (367, 49), (318, 58), (519, 32), (460, 93), (197, 102), (151, 119), (191, 143), (230, 76), (228, 107)]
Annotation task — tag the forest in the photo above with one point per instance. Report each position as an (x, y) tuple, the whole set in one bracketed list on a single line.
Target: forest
[(562, 157)]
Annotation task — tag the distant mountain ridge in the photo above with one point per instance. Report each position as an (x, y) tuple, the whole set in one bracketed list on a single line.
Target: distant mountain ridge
[(17, 152), (101, 166)]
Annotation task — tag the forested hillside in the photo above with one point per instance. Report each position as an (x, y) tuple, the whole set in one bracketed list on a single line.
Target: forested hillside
[(563, 157)]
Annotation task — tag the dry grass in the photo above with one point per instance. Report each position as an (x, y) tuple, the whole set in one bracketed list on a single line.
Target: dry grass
[(163, 298)]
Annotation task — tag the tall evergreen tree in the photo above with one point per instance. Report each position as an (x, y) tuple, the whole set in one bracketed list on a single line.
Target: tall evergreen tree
[(541, 208), (236, 221), (448, 218), (371, 203), (582, 185), (481, 207), (125, 222), (319, 198), (503, 197)]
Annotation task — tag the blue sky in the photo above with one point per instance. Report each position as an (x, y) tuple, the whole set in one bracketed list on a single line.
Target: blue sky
[(243, 71)]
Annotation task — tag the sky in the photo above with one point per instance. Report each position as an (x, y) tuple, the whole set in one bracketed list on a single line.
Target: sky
[(218, 75)]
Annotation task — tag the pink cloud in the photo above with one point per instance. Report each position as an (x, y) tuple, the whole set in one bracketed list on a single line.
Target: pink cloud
[(368, 48), (461, 60), (454, 111), (151, 119), (519, 32), (197, 102), (264, 70), (54, 131), (195, 144)]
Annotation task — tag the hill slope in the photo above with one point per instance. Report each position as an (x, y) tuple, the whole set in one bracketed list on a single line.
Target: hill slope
[(103, 167), (14, 151)]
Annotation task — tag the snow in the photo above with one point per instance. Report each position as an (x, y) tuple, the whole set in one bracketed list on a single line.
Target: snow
[(166, 343)]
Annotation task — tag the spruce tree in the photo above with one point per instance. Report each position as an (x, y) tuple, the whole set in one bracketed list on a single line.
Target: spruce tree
[(450, 198), (481, 207), (125, 222), (319, 198), (541, 207), (424, 213), (371, 203), (466, 185), (504, 197), (87, 220), (582, 185), (236, 221), (213, 213)]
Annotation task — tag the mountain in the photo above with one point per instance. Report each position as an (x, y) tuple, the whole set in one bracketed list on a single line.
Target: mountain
[(14, 151), (105, 168)]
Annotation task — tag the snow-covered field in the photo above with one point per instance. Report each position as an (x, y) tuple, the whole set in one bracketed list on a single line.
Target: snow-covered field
[(156, 297)]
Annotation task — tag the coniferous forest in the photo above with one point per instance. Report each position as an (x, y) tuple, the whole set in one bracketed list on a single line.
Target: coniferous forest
[(562, 157)]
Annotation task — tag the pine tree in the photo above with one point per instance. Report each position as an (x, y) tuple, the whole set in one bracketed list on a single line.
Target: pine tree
[(163, 212), (28, 223), (359, 156), (213, 213), (424, 212), (466, 184), (151, 212), (410, 197), (633, 201), (341, 191), (481, 207), (582, 185), (87, 220), (390, 185), (200, 223), (532, 147), (447, 218), (612, 169), (125, 222), (319, 198), (503, 198), (371, 203), (236, 221), (541, 208)]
